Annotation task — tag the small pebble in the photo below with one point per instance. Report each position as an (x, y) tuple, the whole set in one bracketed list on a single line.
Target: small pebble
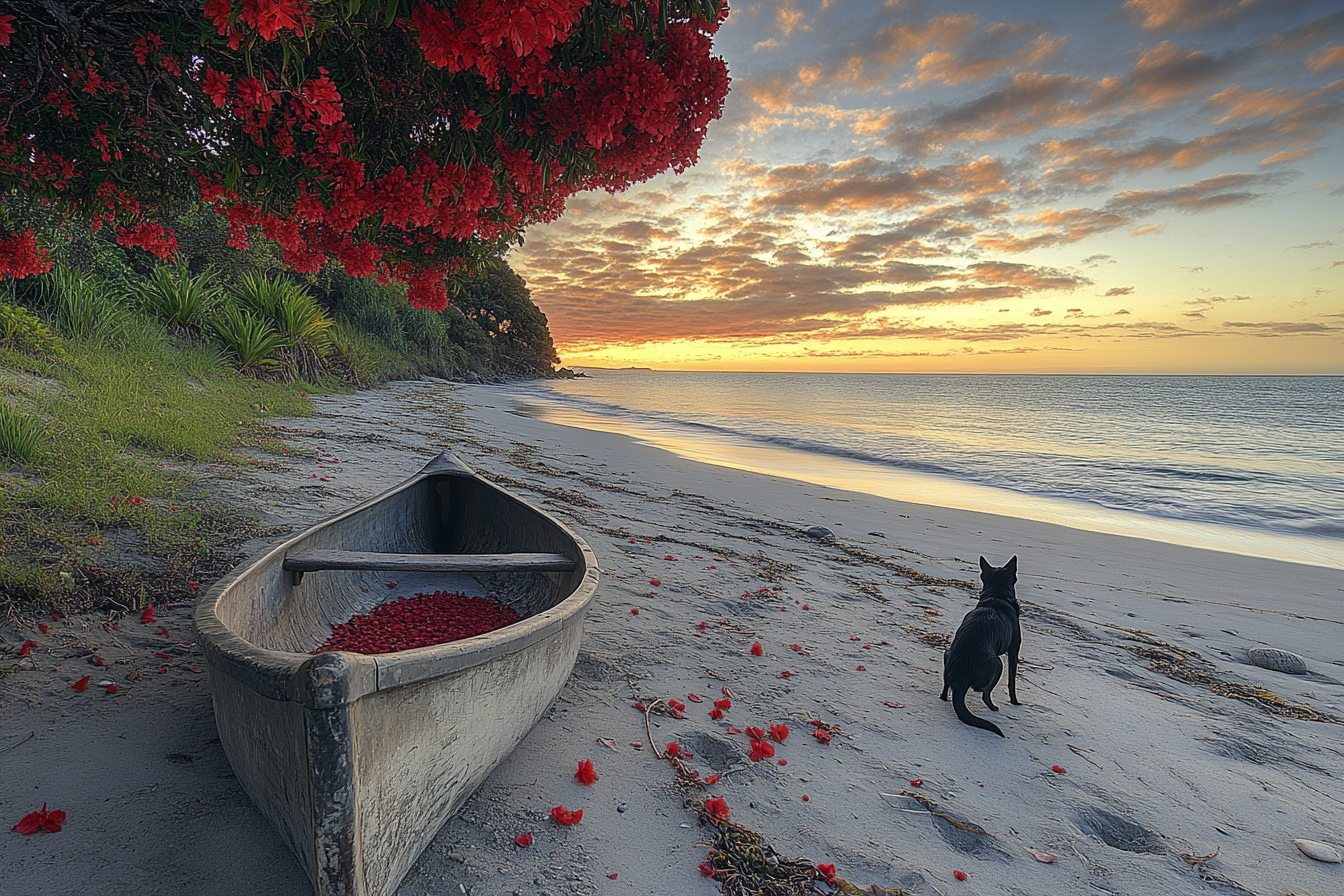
[(1321, 852), (622, 807), (819, 532)]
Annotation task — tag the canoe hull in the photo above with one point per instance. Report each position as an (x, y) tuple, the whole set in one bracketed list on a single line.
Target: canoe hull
[(359, 760)]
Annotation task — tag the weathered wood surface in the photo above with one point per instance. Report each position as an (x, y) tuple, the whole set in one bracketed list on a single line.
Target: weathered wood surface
[(359, 760), (313, 561)]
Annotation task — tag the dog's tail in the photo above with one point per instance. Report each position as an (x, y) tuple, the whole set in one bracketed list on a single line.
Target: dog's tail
[(959, 704)]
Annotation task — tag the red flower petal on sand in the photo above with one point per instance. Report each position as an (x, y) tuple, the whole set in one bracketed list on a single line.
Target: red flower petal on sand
[(564, 816), (669, 557), (654, 582), (805, 798), (712, 779), (756, 649), (164, 632), (734, 730), (916, 782), (959, 875), (1058, 770), (634, 611), (612, 876), (761, 750), (822, 735), (716, 714), (163, 656), (694, 698), (27, 645), (41, 820), (786, 674), (702, 625), (585, 774), (1045, 857), (80, 685), (97, 660), (779, 733), (391, 584), (755, 733), (43, 627), (639, 706), (163, 669), (56, 617), (724, 704), (893, 703), (860, 668), (716, 808), (111, 688), (706, 869), (147, 615), (677, 705), (523, 840), (674, 750), (826, 871)]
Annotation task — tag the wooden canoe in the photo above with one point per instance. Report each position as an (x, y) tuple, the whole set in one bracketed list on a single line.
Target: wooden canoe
[(359, 760)]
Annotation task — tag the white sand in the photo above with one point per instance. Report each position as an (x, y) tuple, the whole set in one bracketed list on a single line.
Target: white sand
[(1153, 763)]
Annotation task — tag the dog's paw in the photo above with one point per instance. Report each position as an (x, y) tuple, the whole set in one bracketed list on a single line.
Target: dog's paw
[(1017, 702)]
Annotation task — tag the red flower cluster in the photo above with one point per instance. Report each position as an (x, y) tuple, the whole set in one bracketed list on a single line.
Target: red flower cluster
[(716, 808), (779, 733), (419, 621), (419, 147), (41, 820), (761, 750), (565, 816), (585, 775)]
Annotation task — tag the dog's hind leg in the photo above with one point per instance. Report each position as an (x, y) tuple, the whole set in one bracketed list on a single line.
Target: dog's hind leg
[(1012, 677), (946, 684), (998, 673)]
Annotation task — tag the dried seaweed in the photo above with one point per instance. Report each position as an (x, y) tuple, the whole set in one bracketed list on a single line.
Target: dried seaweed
[(745, 865), (1186, 665), (937, 640)]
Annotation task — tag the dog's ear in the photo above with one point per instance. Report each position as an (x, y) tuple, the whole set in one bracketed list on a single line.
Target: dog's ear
[(1011, 566), (984, 565)]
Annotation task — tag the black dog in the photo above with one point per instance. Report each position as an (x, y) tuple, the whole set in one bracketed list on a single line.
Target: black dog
[(972, 662)]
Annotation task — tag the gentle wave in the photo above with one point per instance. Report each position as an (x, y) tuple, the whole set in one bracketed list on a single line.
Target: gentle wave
[(1256, 453)]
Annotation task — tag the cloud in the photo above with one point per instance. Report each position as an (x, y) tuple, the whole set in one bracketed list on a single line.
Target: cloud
[(1119, 291), (1099, 258), (1031, 101), (1208, 301), (868, 183), (1329, 57), (1319, 244), (1185, 15), (1040, 312), (1279, 328), (1147, 229)]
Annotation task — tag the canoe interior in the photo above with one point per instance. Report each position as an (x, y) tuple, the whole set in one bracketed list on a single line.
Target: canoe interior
[(441, 514), (359, 760)]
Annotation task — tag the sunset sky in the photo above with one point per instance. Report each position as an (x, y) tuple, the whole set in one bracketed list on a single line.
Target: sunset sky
[(1142, 186)]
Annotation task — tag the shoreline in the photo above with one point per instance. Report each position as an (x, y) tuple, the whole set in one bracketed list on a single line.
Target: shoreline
[(910, 486), (1157, 758)]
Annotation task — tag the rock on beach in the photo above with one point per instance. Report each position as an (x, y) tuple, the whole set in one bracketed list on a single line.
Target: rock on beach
[(1277, 660)]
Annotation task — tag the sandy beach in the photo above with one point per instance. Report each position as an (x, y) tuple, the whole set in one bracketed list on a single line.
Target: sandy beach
[(1149, 756)]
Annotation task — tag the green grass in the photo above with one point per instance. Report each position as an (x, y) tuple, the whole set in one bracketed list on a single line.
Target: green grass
[(20, 435), (127, 414)]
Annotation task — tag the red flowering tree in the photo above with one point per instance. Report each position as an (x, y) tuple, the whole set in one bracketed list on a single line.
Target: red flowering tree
[(410, 139)]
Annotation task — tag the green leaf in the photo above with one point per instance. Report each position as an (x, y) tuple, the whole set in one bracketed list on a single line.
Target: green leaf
[(390, 13), (351, 8)]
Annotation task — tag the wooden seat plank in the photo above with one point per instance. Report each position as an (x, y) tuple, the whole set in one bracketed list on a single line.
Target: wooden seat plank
[(317, 560)]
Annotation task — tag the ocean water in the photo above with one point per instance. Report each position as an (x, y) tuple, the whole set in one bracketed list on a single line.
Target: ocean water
[(1247, 464)]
